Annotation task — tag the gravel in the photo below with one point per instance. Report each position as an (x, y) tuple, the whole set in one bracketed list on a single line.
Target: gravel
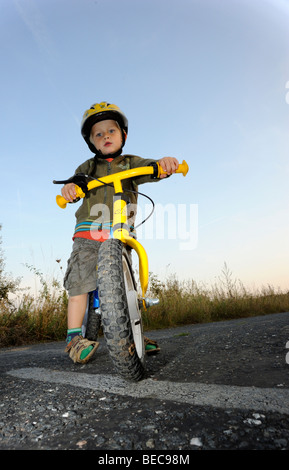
[(54, 410)]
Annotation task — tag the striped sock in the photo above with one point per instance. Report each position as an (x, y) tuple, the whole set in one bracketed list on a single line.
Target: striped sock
[(73, 332)]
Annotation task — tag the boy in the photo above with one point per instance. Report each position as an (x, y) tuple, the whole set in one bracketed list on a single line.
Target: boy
[(104, 128)]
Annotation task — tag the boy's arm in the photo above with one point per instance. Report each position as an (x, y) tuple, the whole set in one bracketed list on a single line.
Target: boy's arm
[(168, 164)]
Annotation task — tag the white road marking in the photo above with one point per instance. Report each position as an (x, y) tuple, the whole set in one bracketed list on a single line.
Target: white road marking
[(217, 396)]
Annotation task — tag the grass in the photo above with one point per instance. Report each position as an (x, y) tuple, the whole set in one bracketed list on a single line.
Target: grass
[(33, 319), (43, 317), (188, 302)]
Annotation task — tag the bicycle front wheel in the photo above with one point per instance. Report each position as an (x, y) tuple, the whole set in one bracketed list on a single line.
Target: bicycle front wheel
[(121, 316)]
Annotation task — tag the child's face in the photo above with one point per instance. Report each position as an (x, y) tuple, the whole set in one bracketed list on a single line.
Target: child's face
[(106, 137)]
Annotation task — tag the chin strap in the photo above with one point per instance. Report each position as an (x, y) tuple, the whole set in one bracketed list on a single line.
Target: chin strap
[(110, 155)]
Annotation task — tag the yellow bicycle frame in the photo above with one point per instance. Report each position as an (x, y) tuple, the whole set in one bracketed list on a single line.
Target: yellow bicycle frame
[(119, 226)]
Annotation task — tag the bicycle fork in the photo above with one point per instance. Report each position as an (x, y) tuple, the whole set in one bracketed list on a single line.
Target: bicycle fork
[(120, 231)]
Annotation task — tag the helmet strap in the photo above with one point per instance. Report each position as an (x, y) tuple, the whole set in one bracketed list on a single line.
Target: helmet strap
[(98, 154)]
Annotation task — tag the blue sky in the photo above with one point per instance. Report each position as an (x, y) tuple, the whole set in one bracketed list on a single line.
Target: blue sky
[(201, 80)]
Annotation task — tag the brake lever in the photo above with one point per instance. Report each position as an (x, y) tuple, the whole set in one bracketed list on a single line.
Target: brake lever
[(80, 179)]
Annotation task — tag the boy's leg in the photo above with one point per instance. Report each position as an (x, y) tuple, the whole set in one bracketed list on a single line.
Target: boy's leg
[(80, 277), (76, 311), (75, 315)]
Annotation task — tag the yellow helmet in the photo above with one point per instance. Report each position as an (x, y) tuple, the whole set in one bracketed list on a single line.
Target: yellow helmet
[(101, 112)]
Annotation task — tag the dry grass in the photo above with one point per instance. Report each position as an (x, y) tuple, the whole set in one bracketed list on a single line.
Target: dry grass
[(187, 302), (43, 318), (31, 319)]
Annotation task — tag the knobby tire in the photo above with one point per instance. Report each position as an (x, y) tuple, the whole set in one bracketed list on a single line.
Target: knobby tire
[(121, 319)]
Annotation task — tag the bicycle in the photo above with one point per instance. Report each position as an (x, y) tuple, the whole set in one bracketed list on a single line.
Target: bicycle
[(115, 303)]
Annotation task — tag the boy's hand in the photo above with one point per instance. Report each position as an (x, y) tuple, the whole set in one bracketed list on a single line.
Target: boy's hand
[(68, 192), (169, 165)]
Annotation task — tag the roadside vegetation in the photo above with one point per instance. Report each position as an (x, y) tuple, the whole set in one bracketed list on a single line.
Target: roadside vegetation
[(189, 302), (31, 319), (26, 318)]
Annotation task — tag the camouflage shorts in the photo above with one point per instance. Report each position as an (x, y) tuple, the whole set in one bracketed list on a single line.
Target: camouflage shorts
[(80, 276)]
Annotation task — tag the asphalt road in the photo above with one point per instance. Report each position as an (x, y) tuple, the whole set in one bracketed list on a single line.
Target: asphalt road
[(218, 386)]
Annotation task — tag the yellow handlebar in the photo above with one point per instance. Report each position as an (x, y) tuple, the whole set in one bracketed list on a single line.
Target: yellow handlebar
[(116, 180)]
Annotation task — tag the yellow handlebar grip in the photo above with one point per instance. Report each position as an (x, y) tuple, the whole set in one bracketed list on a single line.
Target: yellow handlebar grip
[(63, 202), (182, 168)]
